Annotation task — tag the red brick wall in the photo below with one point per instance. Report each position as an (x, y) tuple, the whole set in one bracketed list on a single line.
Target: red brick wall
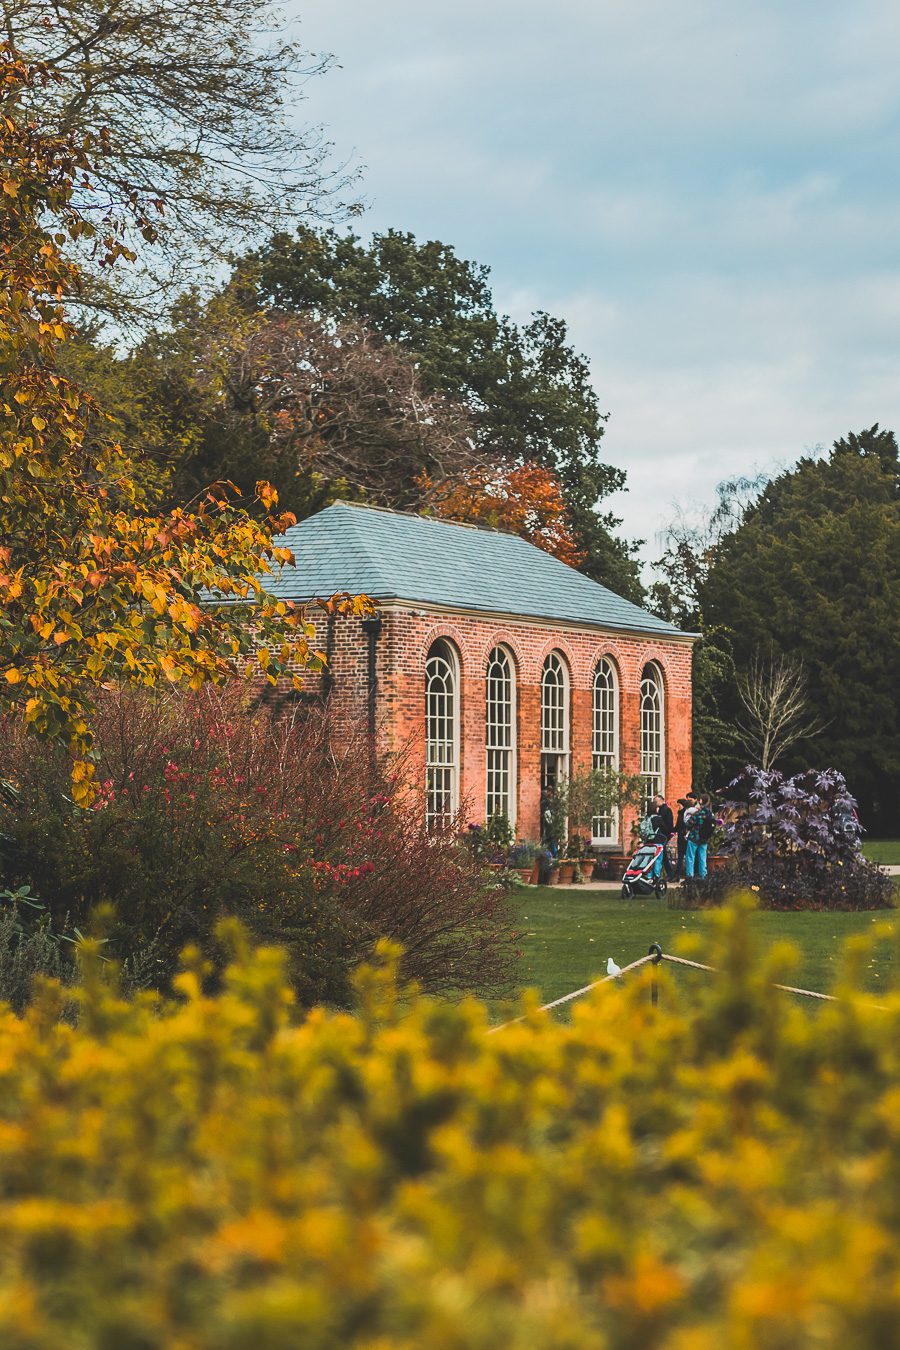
[(402, 650)]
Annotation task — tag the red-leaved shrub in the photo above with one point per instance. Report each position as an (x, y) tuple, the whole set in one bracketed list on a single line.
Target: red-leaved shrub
[(207, 807)]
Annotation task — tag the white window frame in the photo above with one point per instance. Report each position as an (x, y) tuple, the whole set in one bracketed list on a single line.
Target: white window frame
[(653, 730), (441, 734), (605, 740), (500, 735), (556, 713)]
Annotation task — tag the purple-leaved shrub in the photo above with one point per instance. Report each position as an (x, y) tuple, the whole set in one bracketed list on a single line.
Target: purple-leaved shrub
[(796, 843)]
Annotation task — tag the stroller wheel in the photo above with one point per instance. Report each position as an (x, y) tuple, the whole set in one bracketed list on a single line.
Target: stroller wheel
[(626, 891), (661, 887)]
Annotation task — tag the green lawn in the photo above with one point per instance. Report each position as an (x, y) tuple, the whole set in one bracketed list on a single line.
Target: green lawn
[(882, 850), (568, 935)]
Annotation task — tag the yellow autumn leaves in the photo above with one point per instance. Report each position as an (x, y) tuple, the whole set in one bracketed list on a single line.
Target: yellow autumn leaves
[(217, 1173)]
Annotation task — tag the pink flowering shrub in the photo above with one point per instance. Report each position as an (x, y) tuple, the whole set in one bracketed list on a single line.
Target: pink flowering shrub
[(206, 808)]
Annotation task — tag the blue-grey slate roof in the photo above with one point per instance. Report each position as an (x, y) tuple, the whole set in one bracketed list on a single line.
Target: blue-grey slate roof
[(389, 555)]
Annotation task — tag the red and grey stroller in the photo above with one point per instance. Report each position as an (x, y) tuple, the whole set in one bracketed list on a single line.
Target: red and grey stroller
[(638, 878)]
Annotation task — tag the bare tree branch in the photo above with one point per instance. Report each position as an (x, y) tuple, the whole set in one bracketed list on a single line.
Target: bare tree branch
[(191, 107), (775, 696)]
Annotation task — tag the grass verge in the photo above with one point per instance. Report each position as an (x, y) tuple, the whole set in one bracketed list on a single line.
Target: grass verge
[(566, 937), (882, 850)]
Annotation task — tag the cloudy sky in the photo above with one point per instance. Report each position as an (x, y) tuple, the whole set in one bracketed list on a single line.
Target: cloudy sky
[(707, 192)]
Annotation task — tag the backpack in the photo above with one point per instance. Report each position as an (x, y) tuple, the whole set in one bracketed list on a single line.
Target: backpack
[(647, 829), (703, 825)]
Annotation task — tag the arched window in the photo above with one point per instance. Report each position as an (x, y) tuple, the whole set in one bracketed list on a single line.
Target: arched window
[(500, 739), (652, 731), (441, 735), (605, 745), (554, 722)]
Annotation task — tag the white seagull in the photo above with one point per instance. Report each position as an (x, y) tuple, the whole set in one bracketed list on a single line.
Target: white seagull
[(612, 968)]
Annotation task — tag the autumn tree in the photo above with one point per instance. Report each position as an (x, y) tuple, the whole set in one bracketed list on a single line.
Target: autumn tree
[(97, 583), (524, 499), (194, 99), (528, 392), (324, 409)]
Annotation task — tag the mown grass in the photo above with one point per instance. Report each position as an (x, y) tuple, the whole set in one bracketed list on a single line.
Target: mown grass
[(882, 850), (567, 936)]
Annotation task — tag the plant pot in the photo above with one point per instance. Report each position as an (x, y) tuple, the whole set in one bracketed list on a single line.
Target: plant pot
[(718, 862), (615, 866), (533, 874), (566, 869), (525, 873)]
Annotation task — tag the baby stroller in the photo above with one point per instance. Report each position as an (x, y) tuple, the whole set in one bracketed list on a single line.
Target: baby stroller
[(638, 878)]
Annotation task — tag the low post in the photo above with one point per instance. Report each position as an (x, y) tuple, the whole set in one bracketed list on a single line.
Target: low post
[(657, 953)]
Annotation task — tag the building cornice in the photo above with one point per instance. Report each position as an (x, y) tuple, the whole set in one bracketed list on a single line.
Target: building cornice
[(399, 605)]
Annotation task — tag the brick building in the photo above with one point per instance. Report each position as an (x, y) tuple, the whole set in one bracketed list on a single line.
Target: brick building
[(495, 666)]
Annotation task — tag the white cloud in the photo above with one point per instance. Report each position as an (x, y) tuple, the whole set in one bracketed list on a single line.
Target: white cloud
[(705, 191)]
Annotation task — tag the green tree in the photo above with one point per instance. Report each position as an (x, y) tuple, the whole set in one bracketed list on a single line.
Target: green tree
[(813, 570), (233, 392), (528, 392)]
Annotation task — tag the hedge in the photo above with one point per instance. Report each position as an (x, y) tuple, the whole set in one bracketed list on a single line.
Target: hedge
[(218, 1173)]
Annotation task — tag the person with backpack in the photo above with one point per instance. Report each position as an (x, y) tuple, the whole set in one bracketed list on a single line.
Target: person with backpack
[(699, 824), (684, 805)]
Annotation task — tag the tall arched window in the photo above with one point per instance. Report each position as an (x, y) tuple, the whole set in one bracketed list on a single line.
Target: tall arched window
[(441, 735), (652, 731), (605, 745), (554, 722), (500, 739)]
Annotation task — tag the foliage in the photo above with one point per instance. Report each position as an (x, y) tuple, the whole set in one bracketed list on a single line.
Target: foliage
[(523, 499), (714, 1171), (325, 410), (596, 792), (524, 852), (713, 733), (796, 842), (97, 583), (813, 569), (492, 841), (192, 101), (527, 391), (28, 948), (207, 809), (691, 543), (690, 551)]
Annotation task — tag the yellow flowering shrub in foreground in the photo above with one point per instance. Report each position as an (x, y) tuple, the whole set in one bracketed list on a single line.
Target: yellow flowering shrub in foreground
[(722, 1170)]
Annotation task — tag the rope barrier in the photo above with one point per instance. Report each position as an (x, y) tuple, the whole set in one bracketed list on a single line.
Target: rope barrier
[(567, 998), (786, 988), (656, 955)]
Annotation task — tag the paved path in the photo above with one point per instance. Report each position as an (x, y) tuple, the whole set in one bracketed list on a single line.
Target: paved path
[(892, 869)]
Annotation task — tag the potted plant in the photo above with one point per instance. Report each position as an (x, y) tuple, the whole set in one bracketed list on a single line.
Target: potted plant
[(604, 792), (523, 860), (491, 843), (578, 853)]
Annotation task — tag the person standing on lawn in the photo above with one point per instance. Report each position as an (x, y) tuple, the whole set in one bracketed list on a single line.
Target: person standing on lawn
[(548, 826), (700, 823), (684, 803), (665, 828)]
